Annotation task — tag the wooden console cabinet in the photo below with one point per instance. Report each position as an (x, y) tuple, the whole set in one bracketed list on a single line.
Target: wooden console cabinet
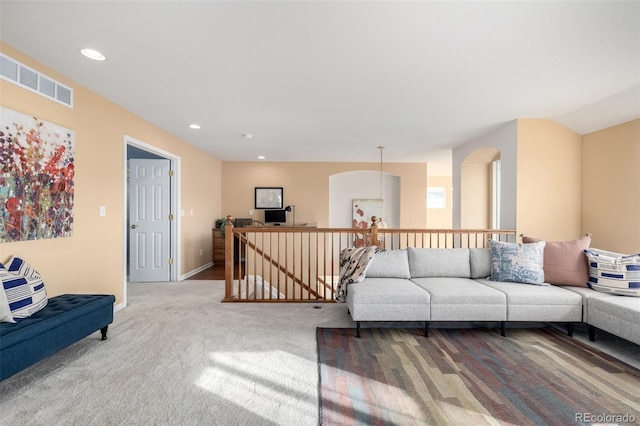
[(218, 247)]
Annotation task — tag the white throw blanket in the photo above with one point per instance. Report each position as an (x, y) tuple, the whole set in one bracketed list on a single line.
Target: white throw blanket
[(354, 262)]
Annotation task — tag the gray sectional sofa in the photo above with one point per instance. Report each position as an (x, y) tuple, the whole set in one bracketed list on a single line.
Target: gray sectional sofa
[(448, 285), (615, 314)]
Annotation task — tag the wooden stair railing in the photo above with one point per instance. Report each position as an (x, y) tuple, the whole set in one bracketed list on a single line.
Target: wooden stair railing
[(276, 264), (320, 256), (239, 238)]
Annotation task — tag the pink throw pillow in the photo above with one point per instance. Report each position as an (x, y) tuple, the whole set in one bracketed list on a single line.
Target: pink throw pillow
[(564, 261)]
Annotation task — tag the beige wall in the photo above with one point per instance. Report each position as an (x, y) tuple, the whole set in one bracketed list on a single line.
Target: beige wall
[(476, 196), (611, 187), (91, 261), (441, 218), (548, 180), (306, 185), (201, 202)]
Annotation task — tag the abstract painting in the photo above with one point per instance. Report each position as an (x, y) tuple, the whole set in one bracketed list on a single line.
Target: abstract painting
[(36, 178)]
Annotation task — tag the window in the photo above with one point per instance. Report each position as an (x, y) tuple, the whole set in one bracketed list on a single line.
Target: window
[(436, 197), (496, 195)]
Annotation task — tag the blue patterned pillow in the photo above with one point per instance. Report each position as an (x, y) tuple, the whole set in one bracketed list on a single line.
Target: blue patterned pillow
[(520, 263), (23, 287)]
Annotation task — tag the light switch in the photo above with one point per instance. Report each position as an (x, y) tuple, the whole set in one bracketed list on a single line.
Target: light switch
[(103, 211)]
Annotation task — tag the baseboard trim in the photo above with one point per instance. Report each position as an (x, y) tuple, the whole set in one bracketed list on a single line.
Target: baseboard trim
[(195, 271)]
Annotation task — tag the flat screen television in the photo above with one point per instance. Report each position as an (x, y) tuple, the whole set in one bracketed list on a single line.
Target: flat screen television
[(275, 217)]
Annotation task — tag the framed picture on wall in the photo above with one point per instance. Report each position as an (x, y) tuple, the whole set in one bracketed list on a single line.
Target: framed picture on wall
[(268, 198), (38, 169), (362, 210), (436, 197)]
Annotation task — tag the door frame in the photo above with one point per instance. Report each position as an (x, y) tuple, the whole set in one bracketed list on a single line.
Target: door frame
[(174, 209)]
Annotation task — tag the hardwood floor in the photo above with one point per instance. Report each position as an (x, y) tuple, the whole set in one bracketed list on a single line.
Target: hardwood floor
[(216, 272)]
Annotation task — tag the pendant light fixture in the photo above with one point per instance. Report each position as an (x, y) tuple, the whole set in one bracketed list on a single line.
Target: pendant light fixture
[(380, 222)]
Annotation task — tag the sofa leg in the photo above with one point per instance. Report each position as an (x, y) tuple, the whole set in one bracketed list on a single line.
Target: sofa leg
[(103, 330), (570, 329), (503, 329), (592, 333), (358, 329), (426, 329)]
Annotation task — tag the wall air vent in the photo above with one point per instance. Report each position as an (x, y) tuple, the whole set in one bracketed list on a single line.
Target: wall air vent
[(30, 79)]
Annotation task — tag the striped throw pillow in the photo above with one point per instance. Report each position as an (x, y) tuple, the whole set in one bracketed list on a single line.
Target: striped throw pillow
[(614, 272), (23, 287)]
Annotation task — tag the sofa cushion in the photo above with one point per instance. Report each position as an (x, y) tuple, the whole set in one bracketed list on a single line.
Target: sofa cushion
[(616, 273), (521, 263), (538, 303), (616, 315), (462, 299), (564, 261), (388, 299), (534, 295), (389, 264), (586, 294), (392, 291), (480, 262), (24, 288), (432, 262)]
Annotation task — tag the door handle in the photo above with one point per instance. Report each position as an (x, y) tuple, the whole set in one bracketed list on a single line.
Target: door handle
[(134, 226)]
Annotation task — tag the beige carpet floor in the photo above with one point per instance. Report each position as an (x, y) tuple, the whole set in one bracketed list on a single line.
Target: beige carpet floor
[(177, 356)]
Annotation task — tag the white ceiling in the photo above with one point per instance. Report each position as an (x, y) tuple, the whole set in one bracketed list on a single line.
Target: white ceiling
[(331, 81)]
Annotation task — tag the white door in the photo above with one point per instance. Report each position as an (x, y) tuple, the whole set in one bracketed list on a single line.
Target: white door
[(149, 221)]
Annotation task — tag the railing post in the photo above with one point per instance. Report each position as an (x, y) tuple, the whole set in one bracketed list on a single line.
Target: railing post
[(374, 231), (228, 259)]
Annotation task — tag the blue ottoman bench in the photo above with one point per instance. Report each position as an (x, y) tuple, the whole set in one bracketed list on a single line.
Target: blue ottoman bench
[(65, 320)]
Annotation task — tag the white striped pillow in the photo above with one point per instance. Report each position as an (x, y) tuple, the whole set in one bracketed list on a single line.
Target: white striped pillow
[(614, 272), (23, 287)]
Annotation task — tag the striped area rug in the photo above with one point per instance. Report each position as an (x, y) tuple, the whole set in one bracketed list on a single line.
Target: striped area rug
[(470, 377)]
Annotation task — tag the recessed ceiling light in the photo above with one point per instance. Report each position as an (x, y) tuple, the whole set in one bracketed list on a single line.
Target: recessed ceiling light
[(93, 54), (260, 157), (194, 126)]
